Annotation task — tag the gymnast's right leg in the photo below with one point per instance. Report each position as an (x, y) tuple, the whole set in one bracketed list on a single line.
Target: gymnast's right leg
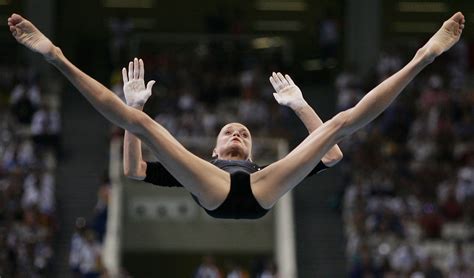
[(207, 182)]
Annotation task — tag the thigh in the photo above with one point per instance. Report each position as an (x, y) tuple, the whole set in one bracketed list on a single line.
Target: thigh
[(272, 182), (204, 180)]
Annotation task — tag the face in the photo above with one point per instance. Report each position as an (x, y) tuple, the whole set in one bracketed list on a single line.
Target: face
[(233, 142)]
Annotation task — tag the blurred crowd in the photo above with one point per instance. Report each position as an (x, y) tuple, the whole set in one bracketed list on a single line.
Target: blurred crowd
[(29, 149), (409, 199), (198, 85)]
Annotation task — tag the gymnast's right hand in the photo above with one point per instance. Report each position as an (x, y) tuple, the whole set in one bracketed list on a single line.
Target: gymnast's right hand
[(134, 89), (27, 34)]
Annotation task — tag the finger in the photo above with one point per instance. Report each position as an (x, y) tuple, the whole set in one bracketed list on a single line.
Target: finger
[(130, 71), (150, 84), (282, 79), (136, 68), (288, 78), (142, 69), (124, 75), (277, 82), (274, 84)]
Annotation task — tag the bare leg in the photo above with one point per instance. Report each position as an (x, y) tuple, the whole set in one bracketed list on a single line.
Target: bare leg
[(274, 181), (209, 183)]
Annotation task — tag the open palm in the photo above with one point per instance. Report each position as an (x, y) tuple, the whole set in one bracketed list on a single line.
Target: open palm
[(286, 92), (136, 94)]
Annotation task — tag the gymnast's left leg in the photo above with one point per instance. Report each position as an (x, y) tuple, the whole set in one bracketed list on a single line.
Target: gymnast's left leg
[(203, 179), (271, 183)]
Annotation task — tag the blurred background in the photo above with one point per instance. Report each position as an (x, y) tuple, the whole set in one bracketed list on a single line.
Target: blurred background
[(400, 204)]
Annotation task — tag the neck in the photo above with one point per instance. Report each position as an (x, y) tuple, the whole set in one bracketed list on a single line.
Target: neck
[(231, 156)]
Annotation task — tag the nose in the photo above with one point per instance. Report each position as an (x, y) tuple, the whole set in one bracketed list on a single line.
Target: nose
[(236, 133)]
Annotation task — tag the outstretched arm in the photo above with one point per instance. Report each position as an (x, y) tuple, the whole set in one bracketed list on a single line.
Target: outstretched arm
[(288, 94), (136, 95)]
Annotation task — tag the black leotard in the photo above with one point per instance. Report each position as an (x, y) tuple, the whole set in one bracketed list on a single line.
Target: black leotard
[(240, 203)]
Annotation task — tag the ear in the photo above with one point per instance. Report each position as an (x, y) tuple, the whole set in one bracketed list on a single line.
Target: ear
[(214, 153)]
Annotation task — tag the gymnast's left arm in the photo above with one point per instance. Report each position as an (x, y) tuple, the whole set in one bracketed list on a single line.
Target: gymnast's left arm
[(288, 94)]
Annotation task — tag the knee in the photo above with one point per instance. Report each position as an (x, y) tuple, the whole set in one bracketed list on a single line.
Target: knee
[(341, 124)]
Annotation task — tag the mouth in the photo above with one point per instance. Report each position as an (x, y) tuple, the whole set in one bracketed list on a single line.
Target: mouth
[(236, 140)]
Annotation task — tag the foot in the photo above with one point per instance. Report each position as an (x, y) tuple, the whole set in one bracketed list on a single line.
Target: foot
[(28, 35), (445, 38)]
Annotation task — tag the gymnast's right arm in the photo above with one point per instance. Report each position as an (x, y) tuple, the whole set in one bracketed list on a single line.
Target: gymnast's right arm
[(134, 166), (136, 95)]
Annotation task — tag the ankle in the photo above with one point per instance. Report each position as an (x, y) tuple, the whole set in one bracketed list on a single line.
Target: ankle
[(425, 55), (53, 54)]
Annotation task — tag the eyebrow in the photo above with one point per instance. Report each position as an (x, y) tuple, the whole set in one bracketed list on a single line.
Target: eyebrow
[(240, 129)]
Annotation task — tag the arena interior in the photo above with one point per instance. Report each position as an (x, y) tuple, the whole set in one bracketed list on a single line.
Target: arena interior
[(399, 204)]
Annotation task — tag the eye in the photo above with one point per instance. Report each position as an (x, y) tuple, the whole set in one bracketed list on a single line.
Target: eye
[(245, 135), (227, 132)]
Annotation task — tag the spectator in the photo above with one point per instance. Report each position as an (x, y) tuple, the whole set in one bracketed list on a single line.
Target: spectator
[(459, 260), (19, 155), (430, 270), (24, 101), (207, 269), (77, 243), (269, 271), (99, 221), (46, 128), (236, 271), (90, 264)]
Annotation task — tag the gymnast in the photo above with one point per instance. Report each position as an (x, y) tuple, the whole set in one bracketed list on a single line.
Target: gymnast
[(208, 183), (233, 148)]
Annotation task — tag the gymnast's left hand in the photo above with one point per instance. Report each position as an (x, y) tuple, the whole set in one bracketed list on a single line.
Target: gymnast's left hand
[(136, 94), (286, 92)]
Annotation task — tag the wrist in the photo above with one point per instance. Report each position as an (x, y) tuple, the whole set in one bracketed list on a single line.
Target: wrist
[(299, 105)]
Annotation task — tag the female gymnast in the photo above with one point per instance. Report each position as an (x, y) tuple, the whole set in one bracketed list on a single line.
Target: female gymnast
[(233, 148), (207, 182)]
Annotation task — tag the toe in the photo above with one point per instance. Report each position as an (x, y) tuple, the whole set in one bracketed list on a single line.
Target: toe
[(458, 17)]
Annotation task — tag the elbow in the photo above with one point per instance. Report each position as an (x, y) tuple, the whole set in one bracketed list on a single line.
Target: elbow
[(338, 156), (127, 172), (134, 176)]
